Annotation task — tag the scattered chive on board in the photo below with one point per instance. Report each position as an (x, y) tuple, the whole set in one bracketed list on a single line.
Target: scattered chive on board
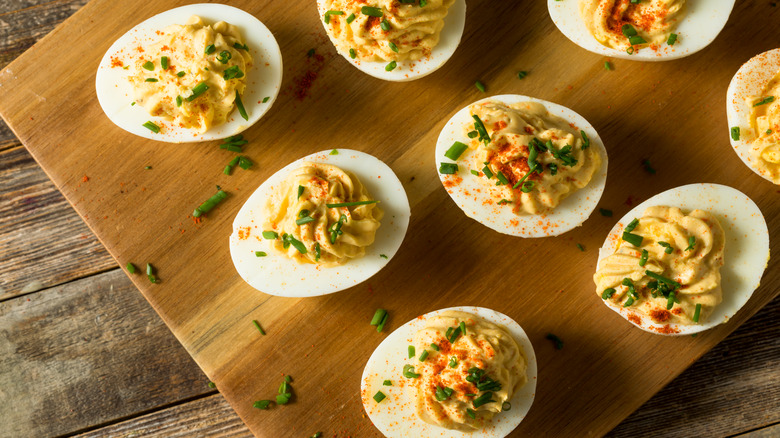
[(480, 86), (556, 340), (257, 325)]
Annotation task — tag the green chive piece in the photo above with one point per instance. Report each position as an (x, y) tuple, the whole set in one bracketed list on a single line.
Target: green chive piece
[(443, 393), (310, 53), (378, 315), (648, 167), (455, 151), (558, 342), (697, 312), (212, 385), (300, 191), (522, 74), (410, 351), (197, 91), (393, 47), (387, 383), (607, 65), (423, 355), (448, 168), (608, 293), (317, 251), (240, 106), (149, 65), (297, 244), (233, 72), (391, 66), (643, 257), (605, 212), (381, 325), (210, 49), (352, 53), (270, 235), (435, 347), (735, 133), (663, 279), (152, 127), (631, 225), (385, 26), (379, 396), (179, 100), (672, 39), (257, 325), (151, 80), (580, 247), (670, 301), (409, 373), (210, 203), (283, 399), (471, 413), (633, 239), (423, 3), (462, 326), (453, 362), (260, 254), (483, 399), (764, 101), (148, 167), (304, 218), (635, 40), (181, 73), (350, 204), (130, 268), (480, 86), (473, 134), (506, 406), (240, 46), (164, 63), (502, 178), (691, 243), (383, 256), (474, 172), (351, 18), (326, 19), (488, 173), (371, 12), (266, 99), (628, 30), (629, 302), (585, 140), (334, 152), (262, 404), (244, 163)]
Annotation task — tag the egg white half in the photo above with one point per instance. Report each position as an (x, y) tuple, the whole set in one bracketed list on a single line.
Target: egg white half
[(279, 275), (264, 79), (473, 195), (745, 256), (703, 21), (454, 23), (749, 82), (395, 416)]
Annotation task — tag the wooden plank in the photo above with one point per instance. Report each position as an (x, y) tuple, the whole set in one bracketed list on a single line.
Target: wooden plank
[(766, 432), (43, 242), (213, 323), (86, 353)]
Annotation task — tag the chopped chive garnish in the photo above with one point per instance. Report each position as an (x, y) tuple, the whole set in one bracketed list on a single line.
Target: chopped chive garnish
[(240, 106), (580, 247), (304, 220), (488, 173), (423, 3), (471, 413), (181, 73), (663, 279), (672, 39), (473, 134), (257, 326), (370, 11), (453, 362), (270, 235), (474, 172), (409, 373), (558, 342), (350, 204), (391, 66), (585, 140), (735, 133), (262, 404), (643, 257), (197, 91), (352, 53), (454, 336), (393, 47), (151, 80), (283, 399), (670, 301), (378, 315), (240, 46), (334, 152), (224, 56), (423, 355), (483, 399), (480, 128), (480, 86), (149, 65), (150, 273), (244, 163), (148, 167), (179, 100), (691, 243), (455, 151), (443, 393), (630, 50), (553, 168), (260, 254), (351, 18), (607, 65), (608, 293), (300, 191), (506, 406), (697, 312), (522, 74), (448, 168), (449, 332), (410, 351), (629, 302), (212, 385), (764, 101), (384, 256), (297, 244), (387, 383), (462, 326), (635, 40), (521, 181), (310, 53), (667, 247), (210, 49), (605, 212), (628, 30), (317, 251), (385, 26), (633, 239), (631, 225), (379, 396), (130, 268), (232, 73), (152, 127), (210, 203), (435, 347), (266, 99), (132, 103), (504, 201), (502, 178), (381, 325), (329, 13), (648, 167)]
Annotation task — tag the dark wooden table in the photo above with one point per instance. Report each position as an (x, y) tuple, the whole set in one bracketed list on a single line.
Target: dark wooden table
[(83, 354)]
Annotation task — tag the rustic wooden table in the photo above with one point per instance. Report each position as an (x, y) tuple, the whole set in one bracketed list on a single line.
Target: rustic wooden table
[(76, 360)]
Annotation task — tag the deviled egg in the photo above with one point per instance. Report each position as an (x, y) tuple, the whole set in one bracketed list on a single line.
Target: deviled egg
[(522, 166), (456, 372), (195, 73), (321, 224), (391, 40), (685, 260), (753, 111), (650, 30)]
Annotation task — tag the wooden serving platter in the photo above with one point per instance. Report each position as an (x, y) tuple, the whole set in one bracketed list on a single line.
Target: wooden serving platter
[(671, 113)]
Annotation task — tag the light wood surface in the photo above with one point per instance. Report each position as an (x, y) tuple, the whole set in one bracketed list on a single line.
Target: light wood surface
[(426, 197)]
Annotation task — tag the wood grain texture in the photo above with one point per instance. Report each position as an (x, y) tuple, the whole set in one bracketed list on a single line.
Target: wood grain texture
[(47, 243), (79, 355), (213, 316)]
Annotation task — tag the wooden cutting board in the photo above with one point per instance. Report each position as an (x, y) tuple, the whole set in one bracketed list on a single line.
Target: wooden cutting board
[(671, 113)]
